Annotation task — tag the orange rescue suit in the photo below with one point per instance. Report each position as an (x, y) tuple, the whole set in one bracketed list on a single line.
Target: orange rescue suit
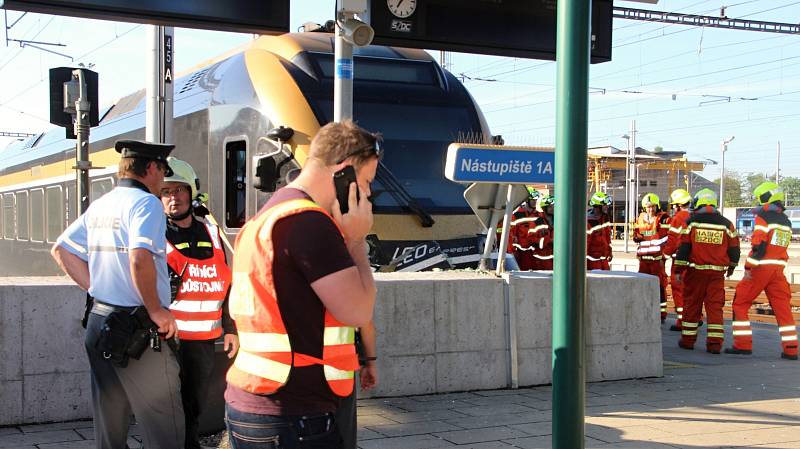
[(651, 234), (676, 228), (598, 240), (709, 248), (764, 272)]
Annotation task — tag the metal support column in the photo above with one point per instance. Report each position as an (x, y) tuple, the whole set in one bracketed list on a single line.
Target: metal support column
[(569, 271), (343, 76), (81, 130), (160, 88)]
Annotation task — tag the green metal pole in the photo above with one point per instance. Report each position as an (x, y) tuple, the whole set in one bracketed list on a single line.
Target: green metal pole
[(569, 271)]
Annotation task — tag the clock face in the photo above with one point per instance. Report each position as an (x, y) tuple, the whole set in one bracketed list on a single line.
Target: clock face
[(402, 8)]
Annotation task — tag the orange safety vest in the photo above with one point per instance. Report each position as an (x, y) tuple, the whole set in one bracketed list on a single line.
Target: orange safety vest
[(204, 283), (265, 357)]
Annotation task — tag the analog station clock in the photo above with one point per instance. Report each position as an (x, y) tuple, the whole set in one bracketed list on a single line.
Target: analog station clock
[(402, 8)]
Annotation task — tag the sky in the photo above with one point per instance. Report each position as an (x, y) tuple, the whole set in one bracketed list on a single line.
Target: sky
[(687, 88)]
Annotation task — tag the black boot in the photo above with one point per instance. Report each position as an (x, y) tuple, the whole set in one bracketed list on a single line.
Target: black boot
[(788, 356), (738, 351), (675, 328)]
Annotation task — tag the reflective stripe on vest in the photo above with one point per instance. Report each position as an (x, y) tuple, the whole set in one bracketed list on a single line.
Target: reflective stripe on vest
[(198, 305), (266, 358)]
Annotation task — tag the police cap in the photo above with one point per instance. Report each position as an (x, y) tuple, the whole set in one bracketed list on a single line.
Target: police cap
[(145, 150)]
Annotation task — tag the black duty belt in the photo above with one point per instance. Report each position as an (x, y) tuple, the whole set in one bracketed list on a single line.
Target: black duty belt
[(103, 309)]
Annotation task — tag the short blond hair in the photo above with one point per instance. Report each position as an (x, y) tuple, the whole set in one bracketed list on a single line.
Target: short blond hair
[(338, 141)]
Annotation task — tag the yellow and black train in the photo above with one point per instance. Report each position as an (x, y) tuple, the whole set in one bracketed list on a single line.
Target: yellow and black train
[(224, 111)]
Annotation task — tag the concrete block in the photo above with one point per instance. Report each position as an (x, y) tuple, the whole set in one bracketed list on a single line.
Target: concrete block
[(404, 317), (535, 366), (402, 376), (475, 370), (57, 397), (52, 333), (533, 293), (10, 332), (11, 398), (470, 315), (640, 299), (626, 361)]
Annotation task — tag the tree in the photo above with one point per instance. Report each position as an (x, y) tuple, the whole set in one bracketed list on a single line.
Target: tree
[(658, 149), (791, 188), (733, 189)]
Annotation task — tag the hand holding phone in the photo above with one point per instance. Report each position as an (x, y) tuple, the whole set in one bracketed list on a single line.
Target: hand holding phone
[(341, 181)]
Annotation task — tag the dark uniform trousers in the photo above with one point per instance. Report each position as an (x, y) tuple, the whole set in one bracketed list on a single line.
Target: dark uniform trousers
[(149, 388), (197, 365)]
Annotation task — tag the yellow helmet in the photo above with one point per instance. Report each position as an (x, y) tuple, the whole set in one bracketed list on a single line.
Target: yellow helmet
[(768, 192), (680, 196), (651, 199), (705, 197), (183, 173)]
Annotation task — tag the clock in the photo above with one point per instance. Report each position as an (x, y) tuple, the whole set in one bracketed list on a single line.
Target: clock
[(402, 8)]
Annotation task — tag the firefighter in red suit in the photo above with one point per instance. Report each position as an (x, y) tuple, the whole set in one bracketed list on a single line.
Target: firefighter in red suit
[(763, 271), (541, 234), (598, 233), (709, 250), (650, 233), (680, 200), (520, 240)]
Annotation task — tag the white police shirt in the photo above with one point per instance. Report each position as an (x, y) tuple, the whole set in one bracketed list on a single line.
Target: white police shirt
[(126, 218)]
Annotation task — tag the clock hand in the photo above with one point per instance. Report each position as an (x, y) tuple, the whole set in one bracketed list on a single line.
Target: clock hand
[(399, 3)]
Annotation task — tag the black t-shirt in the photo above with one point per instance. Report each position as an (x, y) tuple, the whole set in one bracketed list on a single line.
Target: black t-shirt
[(307, 247)]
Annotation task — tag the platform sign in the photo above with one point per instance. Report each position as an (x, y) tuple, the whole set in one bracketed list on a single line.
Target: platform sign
[(242, 16), (517, 28), (500, 164)]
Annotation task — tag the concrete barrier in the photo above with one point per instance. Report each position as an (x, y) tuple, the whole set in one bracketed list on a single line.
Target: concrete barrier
[(437, 333)]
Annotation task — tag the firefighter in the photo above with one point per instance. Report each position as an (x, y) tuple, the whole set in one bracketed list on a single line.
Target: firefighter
[(598, 233), (650, 233), (519, 238), (680, 200), (541, 234), (708, 252), (763, 271)]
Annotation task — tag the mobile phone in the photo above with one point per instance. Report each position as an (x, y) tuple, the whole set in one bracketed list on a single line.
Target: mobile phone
[(341, 181)]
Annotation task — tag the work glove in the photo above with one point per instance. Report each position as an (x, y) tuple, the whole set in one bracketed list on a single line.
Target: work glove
[(730, 270)]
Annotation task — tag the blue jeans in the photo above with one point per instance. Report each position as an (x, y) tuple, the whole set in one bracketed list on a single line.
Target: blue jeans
[(253, 431)]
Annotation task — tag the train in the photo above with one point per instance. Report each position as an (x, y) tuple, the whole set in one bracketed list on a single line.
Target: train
[(259, 106)]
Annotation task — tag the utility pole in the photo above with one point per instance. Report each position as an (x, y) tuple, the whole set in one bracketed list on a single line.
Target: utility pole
[(573, 43), (160, 89), (778, 164), (630, 178), (350, 32), (725, 143)]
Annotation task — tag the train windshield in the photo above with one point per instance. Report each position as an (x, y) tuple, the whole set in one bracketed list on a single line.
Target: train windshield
[(419, 115)]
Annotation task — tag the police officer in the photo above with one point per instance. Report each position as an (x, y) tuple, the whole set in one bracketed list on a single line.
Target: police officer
[(116, 251), (201, 280)]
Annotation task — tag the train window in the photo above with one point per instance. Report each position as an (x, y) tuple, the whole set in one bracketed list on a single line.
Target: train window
[(72, 202), (100, 187), (37, 215), (8, 216), (383, 70), (22, 215), (54, 213), (235, 183)]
